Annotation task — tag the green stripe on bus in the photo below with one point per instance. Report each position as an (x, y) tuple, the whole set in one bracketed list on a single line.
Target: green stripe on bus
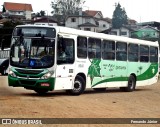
[(148, 74)]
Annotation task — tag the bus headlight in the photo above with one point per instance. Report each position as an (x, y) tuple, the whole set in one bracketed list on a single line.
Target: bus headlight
[(47, 75), (11, 73)]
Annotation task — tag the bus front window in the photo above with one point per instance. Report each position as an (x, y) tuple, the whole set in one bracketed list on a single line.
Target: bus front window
[(32, 52)]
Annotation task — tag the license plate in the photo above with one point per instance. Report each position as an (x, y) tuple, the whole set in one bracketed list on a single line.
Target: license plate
[(44, 84)]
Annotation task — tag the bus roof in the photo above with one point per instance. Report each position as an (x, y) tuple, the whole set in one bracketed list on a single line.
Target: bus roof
[(71, 31)]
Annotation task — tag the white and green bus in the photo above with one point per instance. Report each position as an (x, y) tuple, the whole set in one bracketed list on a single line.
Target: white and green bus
[(46, 58)]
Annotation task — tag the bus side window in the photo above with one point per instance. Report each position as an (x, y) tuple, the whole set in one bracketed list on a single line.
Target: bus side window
[(81, 47), (94, 48), (121, 51), (144, 53), (108, 50), (133, 52), (153, 54)]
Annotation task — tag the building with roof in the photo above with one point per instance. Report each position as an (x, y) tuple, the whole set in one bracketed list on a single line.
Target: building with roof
[(102, 23), (94, 13), (88, 20), (81, 21), (46, 20), (152, 24), (146, 33), (17, 10), (132, 22)]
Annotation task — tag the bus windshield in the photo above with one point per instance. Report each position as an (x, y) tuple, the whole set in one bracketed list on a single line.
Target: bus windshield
[(32, 52)]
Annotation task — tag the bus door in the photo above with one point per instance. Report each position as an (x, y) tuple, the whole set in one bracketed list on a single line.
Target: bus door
[(65, 63)]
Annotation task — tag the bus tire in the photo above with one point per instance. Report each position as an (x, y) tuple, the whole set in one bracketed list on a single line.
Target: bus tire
[(131, 84), (41, 91), (79, 86)]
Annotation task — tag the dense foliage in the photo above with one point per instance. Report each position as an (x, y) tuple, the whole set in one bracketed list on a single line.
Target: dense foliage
[(119, 17), (66, 7)]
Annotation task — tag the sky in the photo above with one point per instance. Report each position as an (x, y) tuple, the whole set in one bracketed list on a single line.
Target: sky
[(139, 10)]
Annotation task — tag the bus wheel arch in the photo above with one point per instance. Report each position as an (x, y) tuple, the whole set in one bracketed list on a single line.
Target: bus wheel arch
[(79, 85), (131, 84)]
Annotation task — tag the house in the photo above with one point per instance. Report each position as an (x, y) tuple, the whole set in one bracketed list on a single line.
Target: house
[(87, 20), (17, 10), (88, 27), (123, 31), (146, 33), (95, 14), (81, 21), (46, 20), (103, 23), (132, 22), (152, 24)]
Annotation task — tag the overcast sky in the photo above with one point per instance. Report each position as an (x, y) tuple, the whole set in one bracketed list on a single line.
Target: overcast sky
[(139, 10)]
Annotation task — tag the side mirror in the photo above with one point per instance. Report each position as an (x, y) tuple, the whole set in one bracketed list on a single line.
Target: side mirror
[(61, 43), (12, 50)]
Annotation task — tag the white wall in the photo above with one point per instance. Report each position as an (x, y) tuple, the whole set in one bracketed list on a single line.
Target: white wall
[(71, 24), (121, 31), (93, 29), (79, 21), (28, 14), (127, 31), (101, 27)]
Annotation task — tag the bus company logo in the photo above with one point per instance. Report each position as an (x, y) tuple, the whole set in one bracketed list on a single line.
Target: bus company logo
[(6, 121)]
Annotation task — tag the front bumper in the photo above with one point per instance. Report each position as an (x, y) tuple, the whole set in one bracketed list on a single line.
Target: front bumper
[(32, 83)]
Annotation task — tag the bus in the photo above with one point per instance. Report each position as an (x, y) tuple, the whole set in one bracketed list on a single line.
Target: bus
[(47, 58), (4, 61)]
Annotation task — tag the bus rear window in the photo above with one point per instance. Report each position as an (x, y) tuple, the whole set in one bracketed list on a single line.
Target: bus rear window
[(34, 32)]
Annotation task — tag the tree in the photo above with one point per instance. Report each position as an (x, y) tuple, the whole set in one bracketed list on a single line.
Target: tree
[(119, 17), (66, 7), (42, 13), (11, 24)]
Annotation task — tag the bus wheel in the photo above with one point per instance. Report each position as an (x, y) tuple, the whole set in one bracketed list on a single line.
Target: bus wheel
[(79, 86), (100, 89), (131, 84), (41, 91)]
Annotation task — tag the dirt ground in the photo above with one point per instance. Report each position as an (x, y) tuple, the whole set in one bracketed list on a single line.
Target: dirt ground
[(144, 102)]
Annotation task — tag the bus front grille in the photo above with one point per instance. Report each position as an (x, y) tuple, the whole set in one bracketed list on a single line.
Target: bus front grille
[(29, 71)]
